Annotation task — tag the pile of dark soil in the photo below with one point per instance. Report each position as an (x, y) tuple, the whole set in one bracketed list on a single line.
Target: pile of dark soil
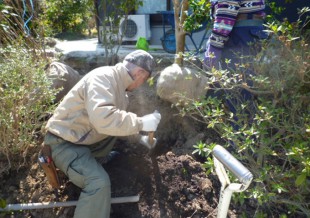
[(169, 185)]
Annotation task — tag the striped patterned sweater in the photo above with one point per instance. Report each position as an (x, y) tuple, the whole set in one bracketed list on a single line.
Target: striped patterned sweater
[(224, 13)]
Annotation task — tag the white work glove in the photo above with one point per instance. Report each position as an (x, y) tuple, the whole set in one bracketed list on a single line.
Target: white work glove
[(144, 140), (150, 121)]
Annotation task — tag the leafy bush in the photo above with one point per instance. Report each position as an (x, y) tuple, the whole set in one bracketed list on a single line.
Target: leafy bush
[(273, 137), (19, 24), (5, 14), (67, 16), (198, 14), (25, 96)]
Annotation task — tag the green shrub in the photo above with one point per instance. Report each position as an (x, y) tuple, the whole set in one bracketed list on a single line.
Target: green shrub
[(67, 16), (25, 96), (274, 145), (13, 27)]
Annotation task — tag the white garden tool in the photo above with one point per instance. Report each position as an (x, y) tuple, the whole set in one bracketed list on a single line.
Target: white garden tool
[(222, 159)]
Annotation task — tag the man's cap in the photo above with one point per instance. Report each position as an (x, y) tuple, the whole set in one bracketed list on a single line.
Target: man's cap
[(142, 59)]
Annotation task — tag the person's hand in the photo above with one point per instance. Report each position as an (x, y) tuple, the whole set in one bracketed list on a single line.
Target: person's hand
[(144, 140), (212, 57), (150, 122)]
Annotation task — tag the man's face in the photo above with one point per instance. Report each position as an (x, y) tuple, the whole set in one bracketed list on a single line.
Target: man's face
[(140, 76)]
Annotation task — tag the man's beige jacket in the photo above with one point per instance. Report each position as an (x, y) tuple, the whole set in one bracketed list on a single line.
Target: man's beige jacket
[(95, 108)]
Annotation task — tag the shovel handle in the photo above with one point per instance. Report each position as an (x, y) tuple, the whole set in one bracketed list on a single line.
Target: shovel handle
[(151, 138)]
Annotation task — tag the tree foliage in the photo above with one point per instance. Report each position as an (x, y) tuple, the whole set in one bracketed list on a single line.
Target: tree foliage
[(273, 137), (67, 15), (19, 24), (197, 15)]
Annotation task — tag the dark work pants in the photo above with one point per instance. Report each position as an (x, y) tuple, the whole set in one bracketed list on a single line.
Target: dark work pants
[(242, 47)]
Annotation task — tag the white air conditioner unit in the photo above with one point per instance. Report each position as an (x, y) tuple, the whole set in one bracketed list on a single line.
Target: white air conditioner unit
[(134, 27)]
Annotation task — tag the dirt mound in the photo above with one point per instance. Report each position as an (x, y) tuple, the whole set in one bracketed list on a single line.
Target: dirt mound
[(169, 185)]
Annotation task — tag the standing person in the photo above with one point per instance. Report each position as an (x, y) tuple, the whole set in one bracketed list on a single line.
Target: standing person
[(88, 120), (238, 25)]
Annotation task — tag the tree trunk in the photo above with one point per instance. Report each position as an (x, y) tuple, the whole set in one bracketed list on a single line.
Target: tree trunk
[(180, 8)]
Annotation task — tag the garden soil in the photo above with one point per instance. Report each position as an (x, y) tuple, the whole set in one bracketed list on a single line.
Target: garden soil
[(170, 184), (170, 181)]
